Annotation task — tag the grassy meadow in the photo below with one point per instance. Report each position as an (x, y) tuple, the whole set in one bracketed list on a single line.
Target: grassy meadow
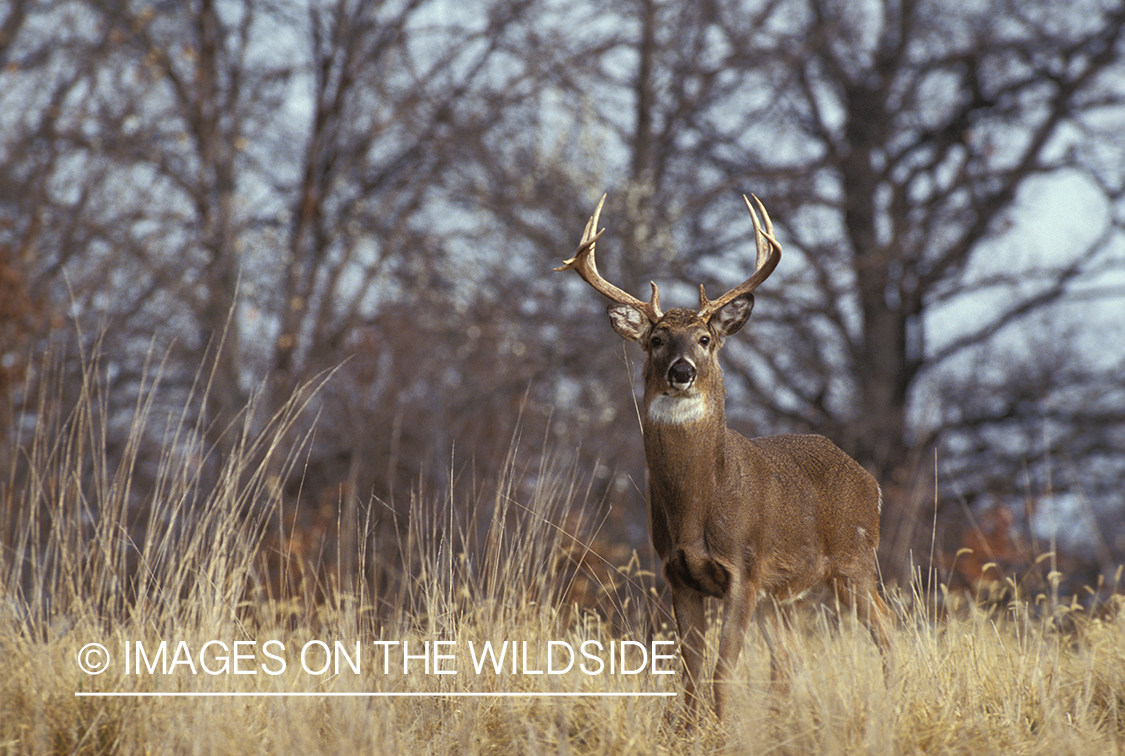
[(242, 670)]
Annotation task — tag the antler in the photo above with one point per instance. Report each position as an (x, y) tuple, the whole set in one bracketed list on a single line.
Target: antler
[(583, 264), (769, 255)]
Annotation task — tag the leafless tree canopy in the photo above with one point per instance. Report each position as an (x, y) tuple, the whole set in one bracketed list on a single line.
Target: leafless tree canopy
[(242, 194)]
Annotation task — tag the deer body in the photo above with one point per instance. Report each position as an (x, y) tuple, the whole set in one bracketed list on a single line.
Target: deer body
[(733, 518), (704, 534)]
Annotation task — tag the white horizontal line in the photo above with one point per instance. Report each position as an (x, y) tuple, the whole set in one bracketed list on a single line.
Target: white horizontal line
[(339, 694)]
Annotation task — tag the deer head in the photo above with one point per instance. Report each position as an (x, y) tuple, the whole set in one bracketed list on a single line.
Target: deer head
[(682, 377)]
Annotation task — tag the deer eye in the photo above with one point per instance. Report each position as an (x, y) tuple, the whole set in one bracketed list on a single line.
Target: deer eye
[(704, 340), (656, 342)]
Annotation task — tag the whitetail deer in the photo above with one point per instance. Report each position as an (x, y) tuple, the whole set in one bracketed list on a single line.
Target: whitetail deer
[(735, 518)]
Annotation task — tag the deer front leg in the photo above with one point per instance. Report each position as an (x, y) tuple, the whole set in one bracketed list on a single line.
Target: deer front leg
[(738, 607), (691, 624)]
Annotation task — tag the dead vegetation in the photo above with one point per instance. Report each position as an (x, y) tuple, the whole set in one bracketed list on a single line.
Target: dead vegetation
[(523, 565)]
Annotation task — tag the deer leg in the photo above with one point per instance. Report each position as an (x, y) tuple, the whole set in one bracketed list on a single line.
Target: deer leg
[(874, 612), (777, 633), (862, 593), (691, 624), (738, 607)]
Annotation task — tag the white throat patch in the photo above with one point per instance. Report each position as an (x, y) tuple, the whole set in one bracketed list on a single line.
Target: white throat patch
[(677, 409)]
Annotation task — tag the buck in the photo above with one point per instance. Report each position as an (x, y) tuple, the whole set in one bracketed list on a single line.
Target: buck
[(738, 519)]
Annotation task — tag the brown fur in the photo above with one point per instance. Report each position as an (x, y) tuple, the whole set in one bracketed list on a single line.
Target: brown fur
[(738, 519)]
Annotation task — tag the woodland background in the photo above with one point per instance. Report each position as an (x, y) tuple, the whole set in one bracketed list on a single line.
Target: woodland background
[(207, 204)]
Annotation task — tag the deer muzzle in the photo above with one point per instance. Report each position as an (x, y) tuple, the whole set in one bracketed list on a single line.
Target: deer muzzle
[(681, 374)]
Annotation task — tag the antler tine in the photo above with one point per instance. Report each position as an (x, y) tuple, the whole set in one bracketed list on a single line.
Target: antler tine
[(769, 255), (584, 264)]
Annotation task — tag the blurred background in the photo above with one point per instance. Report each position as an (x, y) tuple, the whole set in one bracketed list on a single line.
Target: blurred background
[(213, 202)]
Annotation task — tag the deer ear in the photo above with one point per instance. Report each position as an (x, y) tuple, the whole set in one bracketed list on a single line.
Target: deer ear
[(629, 322), (733, 315)]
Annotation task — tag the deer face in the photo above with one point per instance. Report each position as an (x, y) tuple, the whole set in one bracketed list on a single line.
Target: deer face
[(678, 354), (681, 371)]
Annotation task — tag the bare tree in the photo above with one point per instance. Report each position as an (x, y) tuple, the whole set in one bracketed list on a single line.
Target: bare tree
[(904, 143), (275, 189), (916, 132), (258, 188)]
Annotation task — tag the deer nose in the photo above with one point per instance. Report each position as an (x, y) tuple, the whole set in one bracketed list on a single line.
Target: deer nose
[(681, 374)]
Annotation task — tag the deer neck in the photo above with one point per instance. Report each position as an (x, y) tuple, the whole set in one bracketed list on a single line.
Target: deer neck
[(684, 447)]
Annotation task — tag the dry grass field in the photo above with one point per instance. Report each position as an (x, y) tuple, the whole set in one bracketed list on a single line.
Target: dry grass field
[(238, 673)]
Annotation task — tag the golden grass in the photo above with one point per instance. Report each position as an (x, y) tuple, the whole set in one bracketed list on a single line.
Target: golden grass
[(1019, 680)]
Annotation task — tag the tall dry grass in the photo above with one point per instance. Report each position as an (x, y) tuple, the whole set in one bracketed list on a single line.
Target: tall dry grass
[(1030, 677)]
